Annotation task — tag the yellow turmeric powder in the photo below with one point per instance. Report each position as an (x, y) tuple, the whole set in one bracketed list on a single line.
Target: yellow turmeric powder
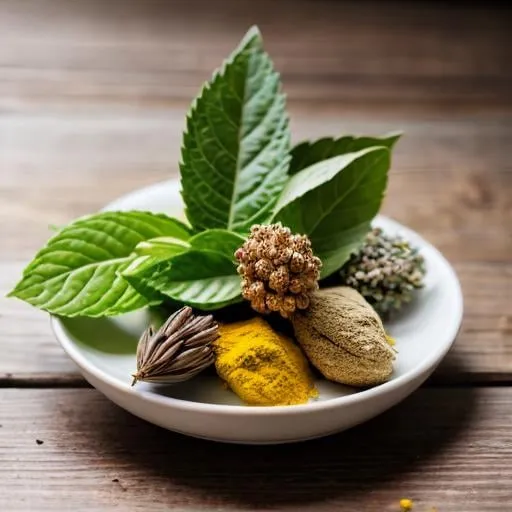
[(262, 366)]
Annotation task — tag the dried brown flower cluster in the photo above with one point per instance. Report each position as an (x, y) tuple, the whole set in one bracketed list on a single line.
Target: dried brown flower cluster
[(278, 270)]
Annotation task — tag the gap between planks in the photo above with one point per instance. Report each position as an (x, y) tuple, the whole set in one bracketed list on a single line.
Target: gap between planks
[(75, 381)]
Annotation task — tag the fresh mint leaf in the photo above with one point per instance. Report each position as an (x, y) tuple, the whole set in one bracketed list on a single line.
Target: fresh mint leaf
[(202, 279), (334, 201), (218, 240), (77, 272), (161, 248), (235, 150), (308, 153), (151, 273), (149, 253), (136, 273)]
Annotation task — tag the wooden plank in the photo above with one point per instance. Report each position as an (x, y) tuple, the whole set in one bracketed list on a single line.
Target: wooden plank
[(443, 448), (154, 52)]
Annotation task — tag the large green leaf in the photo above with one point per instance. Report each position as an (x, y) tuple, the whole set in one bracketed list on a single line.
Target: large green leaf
[(308, 153), (235, 150), (218, 240), (151, 273), (76, 273), (163, 247), (334, 201), (138, 269), (202, 279)]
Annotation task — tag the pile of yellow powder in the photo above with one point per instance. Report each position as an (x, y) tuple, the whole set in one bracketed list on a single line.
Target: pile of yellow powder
[(262, 366)]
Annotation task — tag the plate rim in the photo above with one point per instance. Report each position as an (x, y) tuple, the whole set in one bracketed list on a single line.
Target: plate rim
[(409, 376)]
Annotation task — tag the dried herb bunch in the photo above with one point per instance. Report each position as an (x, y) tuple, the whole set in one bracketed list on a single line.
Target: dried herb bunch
[(179, 350), (386, 271), (278, 269)]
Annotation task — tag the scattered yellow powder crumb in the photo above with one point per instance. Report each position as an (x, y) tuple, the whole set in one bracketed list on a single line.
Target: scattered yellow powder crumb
[(390, 340), (406, 504)]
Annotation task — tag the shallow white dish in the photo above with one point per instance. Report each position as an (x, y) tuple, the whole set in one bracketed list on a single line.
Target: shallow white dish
[(104, 350)]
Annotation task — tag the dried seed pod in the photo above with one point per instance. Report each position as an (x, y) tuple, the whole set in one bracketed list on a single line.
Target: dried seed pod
[(302, 301), (284, 256), (279, 279), (253, 290), (178, 351), (289, 304), (295, 285), (272, 301), (263, 268), (284, 268), (297, 262)]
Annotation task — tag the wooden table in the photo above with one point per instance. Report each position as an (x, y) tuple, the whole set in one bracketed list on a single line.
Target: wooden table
[(93, 96)]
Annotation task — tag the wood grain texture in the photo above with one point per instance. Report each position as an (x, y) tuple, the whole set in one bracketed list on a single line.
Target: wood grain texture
[(155, 51), (443, 448)]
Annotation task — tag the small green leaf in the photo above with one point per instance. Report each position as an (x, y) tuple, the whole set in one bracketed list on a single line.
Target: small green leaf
[(334, 201), (77, 272), (235, 150), (218, 240), (308, 153), (143, 266), (163, 247), (202, 279)]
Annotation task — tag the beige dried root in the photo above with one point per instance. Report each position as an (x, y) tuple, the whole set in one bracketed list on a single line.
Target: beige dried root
[(344, 338)]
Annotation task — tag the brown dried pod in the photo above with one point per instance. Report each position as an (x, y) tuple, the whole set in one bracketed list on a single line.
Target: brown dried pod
[(178, 351)]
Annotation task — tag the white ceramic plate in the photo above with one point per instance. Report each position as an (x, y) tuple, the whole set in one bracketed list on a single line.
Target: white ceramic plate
[(104, 350)]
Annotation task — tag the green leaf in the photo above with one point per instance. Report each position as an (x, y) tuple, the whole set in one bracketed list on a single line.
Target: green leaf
[(218, 240), (135, 272), (235, 150), (202, 279), (77, 272), (308, 153), (334, 201), (149, 274), (150, 253), (162, 248)]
